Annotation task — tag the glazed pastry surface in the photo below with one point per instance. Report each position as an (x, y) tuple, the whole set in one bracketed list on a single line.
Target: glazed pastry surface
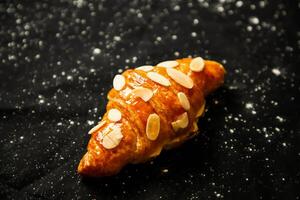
[(150, 108)]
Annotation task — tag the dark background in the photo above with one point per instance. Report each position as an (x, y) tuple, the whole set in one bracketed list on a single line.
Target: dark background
[(53, 86)]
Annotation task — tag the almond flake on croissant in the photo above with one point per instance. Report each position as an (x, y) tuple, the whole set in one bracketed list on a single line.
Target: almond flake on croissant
[(150, 108)]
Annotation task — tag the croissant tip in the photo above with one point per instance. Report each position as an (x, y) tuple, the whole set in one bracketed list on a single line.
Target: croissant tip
[(83, 166), (88, 168), (80, 168)]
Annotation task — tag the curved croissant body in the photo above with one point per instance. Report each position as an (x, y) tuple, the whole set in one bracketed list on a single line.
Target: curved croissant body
[(150, 109)]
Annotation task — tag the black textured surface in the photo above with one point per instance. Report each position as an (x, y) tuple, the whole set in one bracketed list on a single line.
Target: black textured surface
[(53, 86)]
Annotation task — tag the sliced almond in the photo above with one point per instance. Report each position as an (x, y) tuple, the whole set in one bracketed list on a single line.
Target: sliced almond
[(201, 110), (197, 64), (181, 122), (158, 78), (143, 93), (125, 92), (153, 126), (112, 139), (105, 131), (108, 143), (116, 133), (119, 82), (168, 64), (145, 68), (114, 115), (183, 100), (180, 78), (97, 127)]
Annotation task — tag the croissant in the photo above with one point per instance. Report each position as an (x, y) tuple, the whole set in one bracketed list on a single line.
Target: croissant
[(150, 108)]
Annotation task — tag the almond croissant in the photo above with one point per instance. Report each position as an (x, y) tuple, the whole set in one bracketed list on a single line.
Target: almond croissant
[(150, 108)]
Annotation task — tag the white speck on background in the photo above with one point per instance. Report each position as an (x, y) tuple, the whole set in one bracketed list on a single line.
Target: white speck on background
[(193, 34), (239, 4), (249, 105), (249, 28), (280, 119), (176, 8), (90, 122), (117, 38), (254, 20), (195, 21), (284, 144), (176, 53), (96, 51), (276, 71)]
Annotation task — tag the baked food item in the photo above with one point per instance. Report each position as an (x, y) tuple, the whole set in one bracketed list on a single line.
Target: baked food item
[(150, 108)]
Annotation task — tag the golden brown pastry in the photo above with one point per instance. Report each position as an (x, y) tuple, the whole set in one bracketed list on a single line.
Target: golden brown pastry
[(150, 108)]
